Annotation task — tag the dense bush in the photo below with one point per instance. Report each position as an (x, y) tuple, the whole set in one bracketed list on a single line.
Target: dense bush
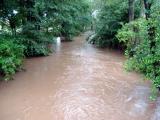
[(35, 42), (108, 22), (132, 35), (11, 57), (155, 43)]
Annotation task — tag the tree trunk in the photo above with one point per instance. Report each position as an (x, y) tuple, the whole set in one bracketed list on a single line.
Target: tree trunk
[(131, 18), (142, 12), (131, 10), (148, 5)]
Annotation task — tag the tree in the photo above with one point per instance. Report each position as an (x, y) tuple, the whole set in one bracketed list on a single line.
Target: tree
[(131, 10), (142, 11), (148, 5)]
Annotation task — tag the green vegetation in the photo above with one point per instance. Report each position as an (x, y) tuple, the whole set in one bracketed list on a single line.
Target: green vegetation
[(135, 29), (108, 22), (28, 27), (11, 57)]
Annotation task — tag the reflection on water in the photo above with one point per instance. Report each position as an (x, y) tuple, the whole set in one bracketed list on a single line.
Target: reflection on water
[(58, 41), (57, 45), (77, 82)]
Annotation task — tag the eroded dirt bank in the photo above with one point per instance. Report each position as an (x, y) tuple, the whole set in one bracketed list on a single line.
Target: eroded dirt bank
[(77, 82)]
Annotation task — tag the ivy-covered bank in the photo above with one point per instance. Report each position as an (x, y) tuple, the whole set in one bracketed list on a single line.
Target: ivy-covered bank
[(135, 27), (28, 27)]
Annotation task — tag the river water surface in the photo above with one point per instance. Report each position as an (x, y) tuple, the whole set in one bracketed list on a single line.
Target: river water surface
[(77, 82)]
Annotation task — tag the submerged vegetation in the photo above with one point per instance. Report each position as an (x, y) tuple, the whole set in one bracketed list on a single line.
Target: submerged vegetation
[(28, 27)]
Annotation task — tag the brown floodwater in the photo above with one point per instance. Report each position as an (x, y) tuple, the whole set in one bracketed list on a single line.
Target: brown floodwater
[(77, 82)]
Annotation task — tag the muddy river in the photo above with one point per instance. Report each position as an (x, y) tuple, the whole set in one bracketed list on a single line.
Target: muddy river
[(77, 82)]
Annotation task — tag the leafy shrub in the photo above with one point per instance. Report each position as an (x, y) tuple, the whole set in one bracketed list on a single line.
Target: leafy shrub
[(133, 35), (11, 57), (155, 43), (108, 22), (35, 41)]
